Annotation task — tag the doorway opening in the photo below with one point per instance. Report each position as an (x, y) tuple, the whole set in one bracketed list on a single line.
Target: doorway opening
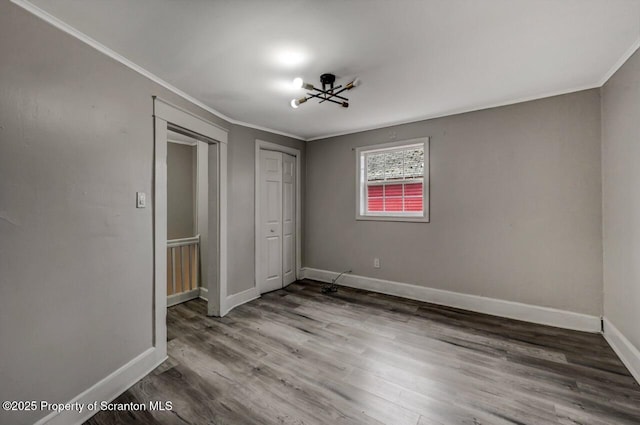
[(277, 203), (187, 216), (194, 262)]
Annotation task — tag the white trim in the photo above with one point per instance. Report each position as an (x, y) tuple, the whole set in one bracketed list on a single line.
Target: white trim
[(202, 212), (513, 310), (270, 146), (397, 218), (182, 142), (47, 17), (395, 145), (361, 180), (240, 298), (262, 144), (204, 293), (160, 235), (457, 111), (616, 66), (166, 114), (628, 353), (183, 241), (187, 120), (107, 389), (183, 297), (220, 295)]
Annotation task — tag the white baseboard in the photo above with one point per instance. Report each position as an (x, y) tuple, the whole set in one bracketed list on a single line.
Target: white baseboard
[(513, 310), (628, 353), (108, 389), (182, 297), (240, 298), (234, 300), (204, 294)]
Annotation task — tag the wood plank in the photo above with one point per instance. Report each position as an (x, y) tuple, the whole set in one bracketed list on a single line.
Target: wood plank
[(178, 269), (297, 356), (192, 267)]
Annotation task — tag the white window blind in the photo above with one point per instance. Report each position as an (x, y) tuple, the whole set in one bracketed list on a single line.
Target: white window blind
[(393, 181)]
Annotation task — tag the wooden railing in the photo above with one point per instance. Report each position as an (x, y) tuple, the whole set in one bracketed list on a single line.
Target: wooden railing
[(183, 265)]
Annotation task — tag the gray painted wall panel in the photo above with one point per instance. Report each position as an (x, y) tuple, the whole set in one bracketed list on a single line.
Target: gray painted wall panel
[(76, 257), (515, 206), (181, 186), (621, 198)]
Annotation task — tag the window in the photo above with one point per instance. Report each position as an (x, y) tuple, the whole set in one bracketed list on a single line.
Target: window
[(393, 181)]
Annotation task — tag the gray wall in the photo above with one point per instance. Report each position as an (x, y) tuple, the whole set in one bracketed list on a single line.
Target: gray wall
[(621, 198), (241, 183), (515, 206), (180, 190), (76, 256)]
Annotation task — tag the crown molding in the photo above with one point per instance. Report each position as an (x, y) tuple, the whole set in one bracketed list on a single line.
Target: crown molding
[(460, 111), (47, 17), (52, 20), (616, 66), (601, 82)]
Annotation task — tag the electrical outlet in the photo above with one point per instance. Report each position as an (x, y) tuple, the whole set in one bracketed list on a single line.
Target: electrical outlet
[(376, 263), (141, 200)]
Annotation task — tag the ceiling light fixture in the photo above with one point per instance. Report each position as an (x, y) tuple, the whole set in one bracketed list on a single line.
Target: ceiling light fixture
[(328, 93), (296, 102)]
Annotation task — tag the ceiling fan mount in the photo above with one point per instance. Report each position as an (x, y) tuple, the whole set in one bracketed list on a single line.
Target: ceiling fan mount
[(327, 79)]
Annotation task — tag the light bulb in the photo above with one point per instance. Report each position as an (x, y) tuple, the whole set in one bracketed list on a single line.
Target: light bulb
[(294, 103), (354, 83), (297, 82)]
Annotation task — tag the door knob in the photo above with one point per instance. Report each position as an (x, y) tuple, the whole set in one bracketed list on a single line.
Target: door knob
[(272, 230)]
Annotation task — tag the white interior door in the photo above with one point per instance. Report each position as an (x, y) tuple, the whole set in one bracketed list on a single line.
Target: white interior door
[(288, 219), (271, 221), (277, 218)]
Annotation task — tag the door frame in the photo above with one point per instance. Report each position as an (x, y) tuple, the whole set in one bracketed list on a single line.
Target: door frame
[(166, 114), (200, 215), (262, 144)]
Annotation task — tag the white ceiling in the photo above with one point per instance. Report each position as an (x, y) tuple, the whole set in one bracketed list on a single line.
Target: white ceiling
[(416, 59)]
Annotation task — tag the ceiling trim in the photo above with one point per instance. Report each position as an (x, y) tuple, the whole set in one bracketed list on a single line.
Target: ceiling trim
[(601, 82), (47, 17), (461, 111), (616, 66)]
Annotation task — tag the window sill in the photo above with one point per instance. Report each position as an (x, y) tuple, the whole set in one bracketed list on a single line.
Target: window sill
[(409, 219)]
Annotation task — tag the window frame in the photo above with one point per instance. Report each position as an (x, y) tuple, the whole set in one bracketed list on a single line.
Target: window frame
[(361, 184)]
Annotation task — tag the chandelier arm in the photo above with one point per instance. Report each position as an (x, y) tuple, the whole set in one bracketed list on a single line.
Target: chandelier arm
[(329, 90), (323, 99), (335, 94), (339, 91), (328, 93)]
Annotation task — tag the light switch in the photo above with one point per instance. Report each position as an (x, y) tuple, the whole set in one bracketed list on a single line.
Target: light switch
[(141, 200)]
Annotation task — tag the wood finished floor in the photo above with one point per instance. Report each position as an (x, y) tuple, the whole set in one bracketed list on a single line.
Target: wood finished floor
[(296, 356)]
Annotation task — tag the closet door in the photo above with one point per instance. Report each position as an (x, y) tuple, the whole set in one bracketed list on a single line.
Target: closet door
[(270, 221), (288, 219)]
